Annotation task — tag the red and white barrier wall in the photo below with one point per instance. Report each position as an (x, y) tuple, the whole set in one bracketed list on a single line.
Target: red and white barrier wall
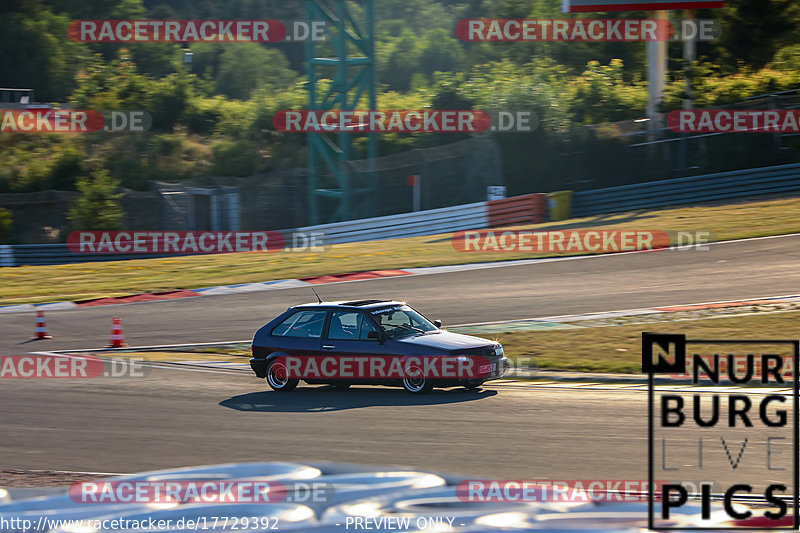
[(526, 209)]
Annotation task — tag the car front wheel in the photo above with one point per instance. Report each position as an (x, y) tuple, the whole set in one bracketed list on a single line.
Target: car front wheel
[(473, 385), (416, 381), (278, 378)]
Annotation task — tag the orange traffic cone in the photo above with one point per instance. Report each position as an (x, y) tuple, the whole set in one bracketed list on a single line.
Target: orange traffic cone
[(117, 340), (41, 327)]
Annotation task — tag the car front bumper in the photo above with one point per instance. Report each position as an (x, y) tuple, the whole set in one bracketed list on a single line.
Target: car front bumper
[(500, 369)]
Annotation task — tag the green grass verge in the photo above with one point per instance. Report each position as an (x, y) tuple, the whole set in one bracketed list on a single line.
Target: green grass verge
[(618, 349), (35, 284)]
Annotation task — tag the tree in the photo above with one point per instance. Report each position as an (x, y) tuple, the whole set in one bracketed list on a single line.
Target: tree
[(244, 67), (753, 30), (440, 53), (37, 54), (601, 95), (98, 206), (403, 56)]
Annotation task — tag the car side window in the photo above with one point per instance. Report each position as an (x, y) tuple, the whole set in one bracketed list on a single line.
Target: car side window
[(366, 327), (301, 324), (349, 325)]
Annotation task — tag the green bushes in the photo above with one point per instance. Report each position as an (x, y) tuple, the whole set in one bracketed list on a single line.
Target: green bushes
[(235, 158), (98, 206), (6, 225)]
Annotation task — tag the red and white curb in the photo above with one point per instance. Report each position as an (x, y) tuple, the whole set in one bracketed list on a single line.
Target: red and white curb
[(351, 277), (244, 288)]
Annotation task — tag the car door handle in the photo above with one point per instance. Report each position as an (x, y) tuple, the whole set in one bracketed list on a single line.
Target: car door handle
[(328, 347)]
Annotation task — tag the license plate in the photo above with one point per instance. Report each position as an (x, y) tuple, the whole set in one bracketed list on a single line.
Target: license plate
[(487, 369)]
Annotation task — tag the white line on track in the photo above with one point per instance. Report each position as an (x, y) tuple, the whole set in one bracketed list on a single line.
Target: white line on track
[(420, 271), (187, 368), (153, 347), (447, 269), (529, 386), (162, 364), (635, 312)]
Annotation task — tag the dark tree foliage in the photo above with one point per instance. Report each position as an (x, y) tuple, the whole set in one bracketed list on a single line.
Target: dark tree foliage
[(214, 115)]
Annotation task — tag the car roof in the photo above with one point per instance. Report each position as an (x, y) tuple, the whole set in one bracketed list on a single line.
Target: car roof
[(361, 304)]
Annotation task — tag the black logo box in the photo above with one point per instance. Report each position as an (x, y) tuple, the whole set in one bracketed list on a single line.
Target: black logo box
[(678, 366)]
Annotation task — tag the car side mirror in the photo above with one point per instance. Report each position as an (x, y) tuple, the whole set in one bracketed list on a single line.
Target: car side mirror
[(374, 336), (437, 323)]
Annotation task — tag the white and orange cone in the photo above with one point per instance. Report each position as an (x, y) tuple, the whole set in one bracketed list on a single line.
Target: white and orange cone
[(117, 340), (41, 327)]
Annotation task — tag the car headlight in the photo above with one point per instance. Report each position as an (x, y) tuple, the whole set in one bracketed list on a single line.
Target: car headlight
[(498, 349), (462, 358)]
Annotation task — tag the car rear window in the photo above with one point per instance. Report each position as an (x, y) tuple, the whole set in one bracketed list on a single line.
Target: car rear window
[(301, 324)]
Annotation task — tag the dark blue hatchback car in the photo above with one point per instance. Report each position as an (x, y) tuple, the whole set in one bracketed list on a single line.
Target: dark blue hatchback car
[(371, 342)]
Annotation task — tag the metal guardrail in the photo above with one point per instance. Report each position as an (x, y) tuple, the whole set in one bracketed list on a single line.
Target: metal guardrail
[(429, 222), (58, 254), (526, 209), (480, 215), (691, 190), (447, 219)]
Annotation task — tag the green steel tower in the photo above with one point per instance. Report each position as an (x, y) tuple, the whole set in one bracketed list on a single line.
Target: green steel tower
[(351, 70)]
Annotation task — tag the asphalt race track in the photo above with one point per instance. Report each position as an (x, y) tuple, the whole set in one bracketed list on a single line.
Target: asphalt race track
[(728, 271), (180, 418), (177, 417)]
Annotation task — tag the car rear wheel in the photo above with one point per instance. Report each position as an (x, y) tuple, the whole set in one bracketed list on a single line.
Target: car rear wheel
[(278, 379), (416, 381)]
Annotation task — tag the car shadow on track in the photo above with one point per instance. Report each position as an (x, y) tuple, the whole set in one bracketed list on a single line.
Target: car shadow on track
[(325, 398)]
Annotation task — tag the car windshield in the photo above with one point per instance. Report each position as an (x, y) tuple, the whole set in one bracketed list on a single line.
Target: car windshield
[(402, 320)]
